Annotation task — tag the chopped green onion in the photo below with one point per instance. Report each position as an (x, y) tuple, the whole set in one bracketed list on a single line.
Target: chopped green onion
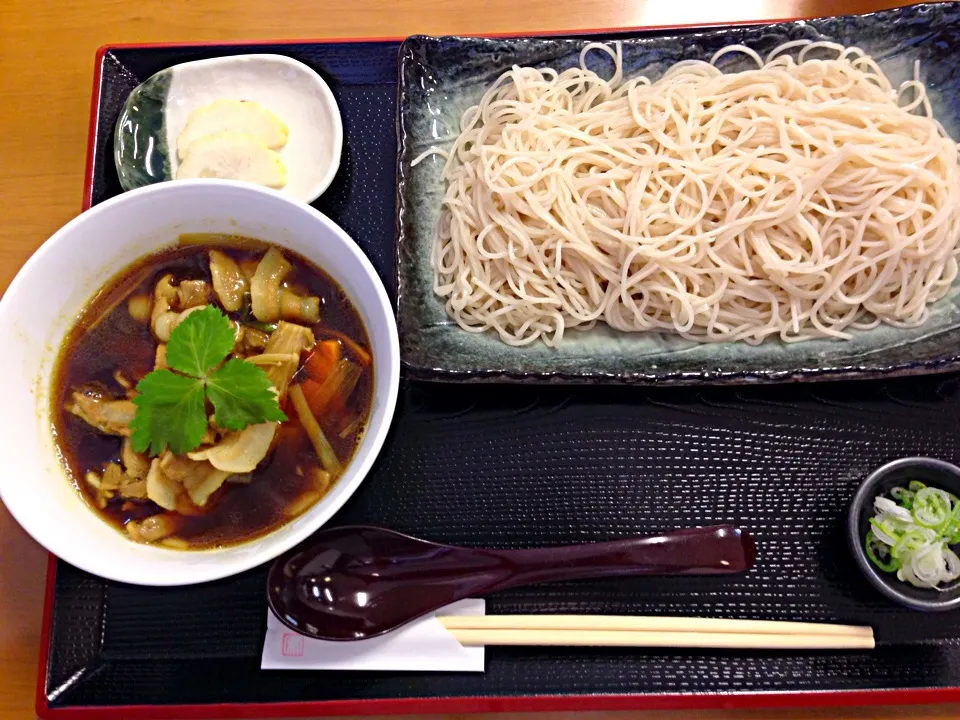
[(262, 326), (889, 530), (952, 529), (910, 542), (910, 534), (931, 508), (879, 553), (903, 496)]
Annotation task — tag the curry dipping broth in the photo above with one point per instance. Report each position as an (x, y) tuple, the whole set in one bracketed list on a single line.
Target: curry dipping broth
[(109, 351)]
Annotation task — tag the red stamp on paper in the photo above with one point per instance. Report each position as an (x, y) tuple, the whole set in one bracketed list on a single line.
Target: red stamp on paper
[(292, 645)]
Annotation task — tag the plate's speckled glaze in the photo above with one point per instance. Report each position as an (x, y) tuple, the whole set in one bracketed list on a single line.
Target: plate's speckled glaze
[(140, 139), (441, 77)]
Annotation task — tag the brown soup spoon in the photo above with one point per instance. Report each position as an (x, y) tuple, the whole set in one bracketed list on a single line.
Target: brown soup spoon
[(351, 583)]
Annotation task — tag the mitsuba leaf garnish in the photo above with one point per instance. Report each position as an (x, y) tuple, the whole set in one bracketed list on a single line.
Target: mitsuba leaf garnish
[(242, 394), (172, 404)]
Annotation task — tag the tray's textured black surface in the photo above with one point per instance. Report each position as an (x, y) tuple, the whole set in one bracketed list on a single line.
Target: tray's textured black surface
[(519, 465)]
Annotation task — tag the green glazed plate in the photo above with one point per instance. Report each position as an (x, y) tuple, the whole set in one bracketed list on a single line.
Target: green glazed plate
[(440, 77)]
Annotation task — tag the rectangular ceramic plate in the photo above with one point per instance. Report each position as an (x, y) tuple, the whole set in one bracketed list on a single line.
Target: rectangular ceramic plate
[(441, 77)]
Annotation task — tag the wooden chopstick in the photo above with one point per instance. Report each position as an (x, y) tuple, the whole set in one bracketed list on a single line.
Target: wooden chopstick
[(628, 638), (647, 623), (635, 631)]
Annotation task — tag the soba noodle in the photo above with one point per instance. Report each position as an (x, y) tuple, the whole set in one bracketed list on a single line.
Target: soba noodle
[(801, 199)]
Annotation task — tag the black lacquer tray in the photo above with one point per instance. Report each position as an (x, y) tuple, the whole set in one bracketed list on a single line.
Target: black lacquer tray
[(514, 466)]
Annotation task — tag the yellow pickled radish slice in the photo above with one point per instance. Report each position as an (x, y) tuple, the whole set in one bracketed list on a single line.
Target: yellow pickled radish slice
[(233, 156), (242, 116)]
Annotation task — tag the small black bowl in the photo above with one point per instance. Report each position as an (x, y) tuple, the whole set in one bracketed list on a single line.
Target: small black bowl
[(935, 473)]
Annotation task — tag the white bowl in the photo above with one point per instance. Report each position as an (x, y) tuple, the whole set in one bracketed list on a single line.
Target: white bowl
[(42, 304)]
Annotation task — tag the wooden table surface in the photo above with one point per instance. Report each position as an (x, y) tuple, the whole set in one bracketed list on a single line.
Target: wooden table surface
[(46, 63)]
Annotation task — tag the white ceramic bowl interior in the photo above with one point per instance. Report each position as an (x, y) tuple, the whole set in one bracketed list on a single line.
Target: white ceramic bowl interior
[(51, 289)]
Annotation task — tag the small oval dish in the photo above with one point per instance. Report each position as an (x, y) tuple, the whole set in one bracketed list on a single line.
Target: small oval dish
[(296, 98), (931, 472)]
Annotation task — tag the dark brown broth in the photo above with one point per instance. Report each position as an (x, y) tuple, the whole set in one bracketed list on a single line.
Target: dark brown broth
[(100, 344)]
